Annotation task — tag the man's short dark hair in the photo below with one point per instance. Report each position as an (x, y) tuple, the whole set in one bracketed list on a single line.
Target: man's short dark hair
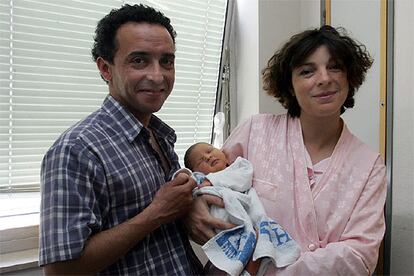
[(104, 41)]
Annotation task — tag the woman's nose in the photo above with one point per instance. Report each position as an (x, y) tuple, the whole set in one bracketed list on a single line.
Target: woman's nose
[(323, 76)]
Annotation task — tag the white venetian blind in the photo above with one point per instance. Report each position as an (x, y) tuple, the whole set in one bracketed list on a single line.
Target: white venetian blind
[(48, 80), (190, 108)]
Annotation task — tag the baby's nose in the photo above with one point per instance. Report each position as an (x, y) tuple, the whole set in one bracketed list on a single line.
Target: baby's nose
[(207, 157)]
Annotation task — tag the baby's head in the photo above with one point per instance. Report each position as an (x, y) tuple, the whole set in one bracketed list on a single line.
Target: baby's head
[(203, 157)]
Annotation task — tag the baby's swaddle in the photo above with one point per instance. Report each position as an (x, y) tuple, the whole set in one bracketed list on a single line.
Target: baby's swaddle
[(255, 235)]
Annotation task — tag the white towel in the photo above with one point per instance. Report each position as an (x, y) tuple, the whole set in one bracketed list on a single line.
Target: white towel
[(231, 249)]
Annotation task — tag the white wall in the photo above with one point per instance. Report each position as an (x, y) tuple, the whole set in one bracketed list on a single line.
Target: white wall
[(402, 230), (264, 25), (278, 20), (261, 27), (362, 20), (246, 46)]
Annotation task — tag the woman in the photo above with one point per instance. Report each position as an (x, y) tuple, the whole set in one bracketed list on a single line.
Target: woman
[(316, 179)]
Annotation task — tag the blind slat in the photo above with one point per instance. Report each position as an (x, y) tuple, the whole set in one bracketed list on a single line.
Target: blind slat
[(48, 81)]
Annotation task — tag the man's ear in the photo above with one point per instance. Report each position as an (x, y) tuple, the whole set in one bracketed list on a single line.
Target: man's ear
[(104, 69)]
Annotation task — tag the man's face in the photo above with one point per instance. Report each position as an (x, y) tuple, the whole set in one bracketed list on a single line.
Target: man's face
[(143, 72)]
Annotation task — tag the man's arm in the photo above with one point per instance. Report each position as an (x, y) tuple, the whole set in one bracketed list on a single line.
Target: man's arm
[(172, 201), (200, 224), (253, 266)]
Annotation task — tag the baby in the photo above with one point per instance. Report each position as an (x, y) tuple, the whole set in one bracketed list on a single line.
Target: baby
[(255, 236), (209, 165)]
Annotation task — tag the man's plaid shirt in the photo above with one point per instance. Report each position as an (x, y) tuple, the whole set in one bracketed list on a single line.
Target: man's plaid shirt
[(100, 173)]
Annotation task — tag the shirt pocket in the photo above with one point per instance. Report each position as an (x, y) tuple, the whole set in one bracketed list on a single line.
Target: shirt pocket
[(267, 192)]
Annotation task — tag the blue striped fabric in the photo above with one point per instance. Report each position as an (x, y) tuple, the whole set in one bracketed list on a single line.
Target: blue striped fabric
[(100, 173)]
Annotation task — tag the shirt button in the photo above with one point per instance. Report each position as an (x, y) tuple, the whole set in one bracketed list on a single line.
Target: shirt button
[(312, 247)]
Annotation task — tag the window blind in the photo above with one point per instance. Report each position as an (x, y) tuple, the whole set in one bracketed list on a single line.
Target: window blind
[(48, 80)]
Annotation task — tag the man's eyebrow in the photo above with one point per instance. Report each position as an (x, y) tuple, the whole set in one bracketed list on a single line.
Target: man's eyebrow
[(146, 54), (169, 55), (138, 53)]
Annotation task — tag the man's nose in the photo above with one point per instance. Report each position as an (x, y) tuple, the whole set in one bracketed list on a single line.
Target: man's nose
[(155, 73)]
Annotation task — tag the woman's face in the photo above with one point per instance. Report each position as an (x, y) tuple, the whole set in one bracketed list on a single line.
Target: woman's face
[(320, 85)]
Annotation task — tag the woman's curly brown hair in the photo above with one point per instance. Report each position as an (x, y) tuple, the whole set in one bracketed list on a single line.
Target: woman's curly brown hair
[(277, 76)]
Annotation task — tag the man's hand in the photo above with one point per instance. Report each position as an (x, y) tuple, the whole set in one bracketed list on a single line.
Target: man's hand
[(174, 199), (200, 224)]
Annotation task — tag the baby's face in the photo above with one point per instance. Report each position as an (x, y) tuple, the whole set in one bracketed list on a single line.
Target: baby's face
[(207, 159)]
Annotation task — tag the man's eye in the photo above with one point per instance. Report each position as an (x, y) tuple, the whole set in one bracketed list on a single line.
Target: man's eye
[(167, 62), (138, 60)]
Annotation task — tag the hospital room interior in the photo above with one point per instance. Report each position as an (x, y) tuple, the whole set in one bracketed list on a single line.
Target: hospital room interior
[(49, 82)]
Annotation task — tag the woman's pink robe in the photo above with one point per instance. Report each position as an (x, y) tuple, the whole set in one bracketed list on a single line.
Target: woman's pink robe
[(339, 224)]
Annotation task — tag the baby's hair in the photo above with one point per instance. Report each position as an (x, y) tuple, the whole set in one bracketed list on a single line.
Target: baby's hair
[(188, 152)]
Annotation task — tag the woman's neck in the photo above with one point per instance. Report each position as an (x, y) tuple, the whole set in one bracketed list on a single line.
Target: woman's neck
[(320, 136)]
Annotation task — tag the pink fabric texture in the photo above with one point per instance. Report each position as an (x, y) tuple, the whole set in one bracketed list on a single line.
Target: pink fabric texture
[(339, 223)]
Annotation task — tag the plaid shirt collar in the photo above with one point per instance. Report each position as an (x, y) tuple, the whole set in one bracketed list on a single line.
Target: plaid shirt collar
[(131, 126)]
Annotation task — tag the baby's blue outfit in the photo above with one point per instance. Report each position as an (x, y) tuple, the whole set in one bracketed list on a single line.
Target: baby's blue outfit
[(199, 177)]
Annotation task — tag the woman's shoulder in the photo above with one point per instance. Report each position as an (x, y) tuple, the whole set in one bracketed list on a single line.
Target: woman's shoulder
[(262, 125), (361, 150), (268, 118)]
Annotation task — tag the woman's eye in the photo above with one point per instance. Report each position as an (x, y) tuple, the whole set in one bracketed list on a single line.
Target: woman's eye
[(305, 72), (335, 67)]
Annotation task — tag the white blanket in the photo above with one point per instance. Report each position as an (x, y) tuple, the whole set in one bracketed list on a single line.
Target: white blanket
[(255, 235)]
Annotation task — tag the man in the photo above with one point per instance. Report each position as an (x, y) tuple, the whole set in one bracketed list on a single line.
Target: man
[(107, 205)]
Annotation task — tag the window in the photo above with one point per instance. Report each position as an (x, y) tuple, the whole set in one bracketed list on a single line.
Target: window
[(48, 81)]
